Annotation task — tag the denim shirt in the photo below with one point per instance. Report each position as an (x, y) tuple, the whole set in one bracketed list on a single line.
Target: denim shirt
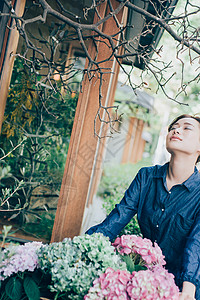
[(170, 218)]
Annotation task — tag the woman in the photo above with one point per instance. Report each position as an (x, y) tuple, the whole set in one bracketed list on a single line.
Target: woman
[(167, 202)]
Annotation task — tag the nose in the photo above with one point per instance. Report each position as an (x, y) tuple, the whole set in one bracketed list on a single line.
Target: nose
[(176, 130)]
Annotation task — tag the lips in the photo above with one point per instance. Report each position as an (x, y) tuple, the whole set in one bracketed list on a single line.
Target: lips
[(175, 138)]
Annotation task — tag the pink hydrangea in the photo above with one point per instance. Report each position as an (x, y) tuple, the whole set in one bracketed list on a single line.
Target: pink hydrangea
[(19, 259), (152, 284), (111, 285), (138, 248), (146, 284)]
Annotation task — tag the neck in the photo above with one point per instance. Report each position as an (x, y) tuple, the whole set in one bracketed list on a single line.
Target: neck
[(180, 169)]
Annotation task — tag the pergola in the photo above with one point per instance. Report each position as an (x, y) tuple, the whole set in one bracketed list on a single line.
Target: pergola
[(83, 165)]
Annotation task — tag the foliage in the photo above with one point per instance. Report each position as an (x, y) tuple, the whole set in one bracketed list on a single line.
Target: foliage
[(5, 233), (27, 285), (34, 141), (42, 227), (114, 182), (137, 46), (46, 119)]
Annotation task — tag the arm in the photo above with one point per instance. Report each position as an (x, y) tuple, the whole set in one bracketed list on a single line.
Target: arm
[(123, 212), (191, 262)]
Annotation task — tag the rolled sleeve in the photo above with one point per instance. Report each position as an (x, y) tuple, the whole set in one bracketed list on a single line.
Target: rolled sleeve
[(191, 257)]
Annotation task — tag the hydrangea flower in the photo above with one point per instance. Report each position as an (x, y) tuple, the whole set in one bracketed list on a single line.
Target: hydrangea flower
[(152, 284), (140, 249), (74, 264), (20, 258), (149, 285), (111, 285)]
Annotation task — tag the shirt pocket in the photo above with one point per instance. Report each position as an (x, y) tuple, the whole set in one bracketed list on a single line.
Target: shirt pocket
[(179, 232)]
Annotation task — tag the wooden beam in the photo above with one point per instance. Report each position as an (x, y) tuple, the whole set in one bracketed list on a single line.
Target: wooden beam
[(7, 60), (83, 145)]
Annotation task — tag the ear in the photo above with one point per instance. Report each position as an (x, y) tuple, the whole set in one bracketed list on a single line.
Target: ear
[(198, 157)]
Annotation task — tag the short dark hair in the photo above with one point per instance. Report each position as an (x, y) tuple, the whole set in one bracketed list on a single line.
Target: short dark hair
[(182, 117)]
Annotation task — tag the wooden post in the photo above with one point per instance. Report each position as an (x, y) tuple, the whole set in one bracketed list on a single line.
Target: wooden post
[(83, 145), (97, 167), (141, 148), (138, 135), (129, 142), (7, 60), (102, 143)]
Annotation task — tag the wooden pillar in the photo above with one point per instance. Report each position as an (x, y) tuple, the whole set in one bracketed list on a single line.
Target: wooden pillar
[(129, 142), (83, 145), (138, 135), (7, 59), (140, 151), (95, 179)]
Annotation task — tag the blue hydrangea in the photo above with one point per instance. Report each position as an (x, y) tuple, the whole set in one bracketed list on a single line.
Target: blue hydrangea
[(74, 264)]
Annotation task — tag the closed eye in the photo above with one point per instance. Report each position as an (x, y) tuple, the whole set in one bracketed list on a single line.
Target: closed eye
[(188, 128), (173, 128)]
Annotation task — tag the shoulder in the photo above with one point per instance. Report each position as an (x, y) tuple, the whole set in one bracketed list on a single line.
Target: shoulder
[(153, 171)]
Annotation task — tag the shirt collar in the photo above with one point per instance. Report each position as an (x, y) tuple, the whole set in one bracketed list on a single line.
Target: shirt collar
[(191, 183), (161, 171)]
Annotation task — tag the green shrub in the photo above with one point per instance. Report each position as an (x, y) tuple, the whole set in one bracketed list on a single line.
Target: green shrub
[(115, 181)]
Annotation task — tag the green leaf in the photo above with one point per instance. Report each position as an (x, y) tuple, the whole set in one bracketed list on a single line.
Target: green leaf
[(6, 229), (14, 288), (37, 276), (139, 268), (31, 289), (129, 263), (3, 296)]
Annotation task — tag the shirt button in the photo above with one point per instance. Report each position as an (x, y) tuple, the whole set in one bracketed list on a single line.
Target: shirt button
[(170, 192), (157, 225), (163, 209)]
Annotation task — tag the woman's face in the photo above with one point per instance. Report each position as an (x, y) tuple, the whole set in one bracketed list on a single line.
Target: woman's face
[(184, 137)]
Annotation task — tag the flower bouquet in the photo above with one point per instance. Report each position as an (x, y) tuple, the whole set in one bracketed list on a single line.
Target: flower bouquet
[(63, 270), (74, 264), (86, 267), (152, 284), (146, 277), (110, 285), (139, 253), (19, 273)]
